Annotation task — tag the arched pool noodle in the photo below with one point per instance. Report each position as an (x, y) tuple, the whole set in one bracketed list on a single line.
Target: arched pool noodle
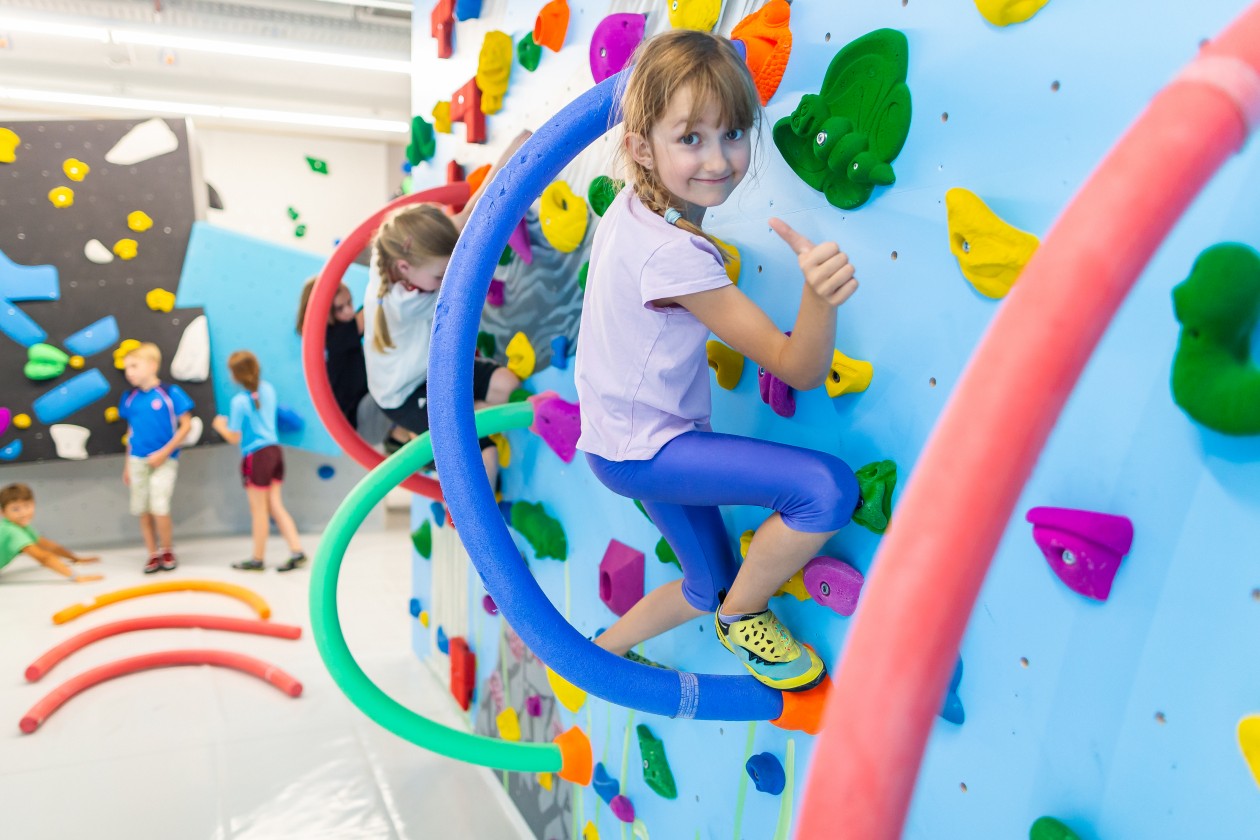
[(927, 573), (313, 344), (481, 528)]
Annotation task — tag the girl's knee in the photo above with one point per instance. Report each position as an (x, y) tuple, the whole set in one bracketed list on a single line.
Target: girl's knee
[(833, 495)]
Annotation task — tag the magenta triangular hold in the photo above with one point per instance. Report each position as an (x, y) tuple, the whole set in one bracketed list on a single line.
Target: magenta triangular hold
[(519, 243), (558, 423), (1114, 532), (1087, 567)]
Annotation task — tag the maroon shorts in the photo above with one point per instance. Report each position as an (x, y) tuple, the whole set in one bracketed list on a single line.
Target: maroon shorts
[(263, 467)]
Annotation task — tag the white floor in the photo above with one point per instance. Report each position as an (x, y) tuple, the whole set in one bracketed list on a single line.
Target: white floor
[(200, 752)]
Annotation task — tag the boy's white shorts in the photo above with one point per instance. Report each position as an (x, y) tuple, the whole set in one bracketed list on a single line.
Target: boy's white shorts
[(151, 489)]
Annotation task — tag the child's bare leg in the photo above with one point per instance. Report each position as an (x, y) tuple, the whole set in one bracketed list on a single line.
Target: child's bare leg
[(664, 608), (284, 521), (490, 459), (502, 383), (776, 553), (164, 529), (258, 519), (148, 531)]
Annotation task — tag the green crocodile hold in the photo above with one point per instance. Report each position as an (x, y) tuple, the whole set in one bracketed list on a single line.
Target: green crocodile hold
[(656, 770), (528, 53), (422, 539), (665, 553), (843, 140), (1214, 380), (1048, 828), (541, 530), (876, 482), (423, 143), (486, 344), (601, 193), (43, 361)]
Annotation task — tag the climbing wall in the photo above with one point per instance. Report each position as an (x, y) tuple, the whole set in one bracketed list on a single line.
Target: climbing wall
[(1117, 717)]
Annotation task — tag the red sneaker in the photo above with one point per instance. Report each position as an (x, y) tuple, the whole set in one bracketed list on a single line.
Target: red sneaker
[(154, 564), (168, 561)]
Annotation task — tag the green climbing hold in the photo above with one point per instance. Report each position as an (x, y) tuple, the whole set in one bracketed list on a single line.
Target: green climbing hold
[(528, 53), (43, 361), (586, 267), (299, 231), (843, 140), (423, 143), (422, 539), (601, 193), (1214, 380), (665, 553), (656, 770), (642, 509), (876, 482), (1048, 828), (541, 530), (486, 344), (293, 213), (506, 256), (319, 167), (520, 395)]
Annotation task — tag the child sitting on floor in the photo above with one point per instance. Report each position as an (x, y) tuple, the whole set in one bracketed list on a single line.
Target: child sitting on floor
[(17, 511)]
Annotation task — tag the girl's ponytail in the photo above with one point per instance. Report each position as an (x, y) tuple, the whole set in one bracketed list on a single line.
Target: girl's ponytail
[(245, 370), (381, 340)]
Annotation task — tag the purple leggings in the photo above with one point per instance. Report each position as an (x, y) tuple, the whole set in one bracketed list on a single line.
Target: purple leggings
[(695, 472)]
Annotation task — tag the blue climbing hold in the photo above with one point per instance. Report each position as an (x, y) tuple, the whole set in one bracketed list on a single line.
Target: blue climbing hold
[(414, 607), (439, 513), (406, 167), (560, 352), (767, 774), (605, 785), (70, 396), (11, 451), (952, 711), (444, 644), (22, 283), (288, 420), (467, 9), (505, 508), (325, 471), (95, 337)]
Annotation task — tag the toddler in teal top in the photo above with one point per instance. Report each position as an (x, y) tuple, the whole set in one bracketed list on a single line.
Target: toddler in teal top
[(17, 511)]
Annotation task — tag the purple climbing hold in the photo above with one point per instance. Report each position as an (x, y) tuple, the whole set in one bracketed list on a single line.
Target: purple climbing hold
[(776, 393), (5, 417), (495, 686), (533, 705), (488, 604), (495, 297), (833, 583), (519, 242), (621, 577), (557, 422), (622, 808), (613, 42), (1083, 548)]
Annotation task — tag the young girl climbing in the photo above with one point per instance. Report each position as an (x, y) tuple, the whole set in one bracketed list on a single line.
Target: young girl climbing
[(409, 257), (657, 289), (252, 424)]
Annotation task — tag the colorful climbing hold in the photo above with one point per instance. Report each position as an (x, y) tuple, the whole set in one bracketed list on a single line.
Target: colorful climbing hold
[(620, 577), (423, 143), (319, 167), (843, 140), (75, 169), (76, 362), (519, 242), (486, 344), (120, 352), (541, 530), (61, 197), (22, 421), (767, 44), (545, 780), (656, 772), (552, 25), (582, 272), (622, 808), (731, 261), (70, 396), (560, 352), (146, 140), (569, 695), (139, 221), (413, 607), (467, 9), (694, 14), (300, 230), (504, 446), (293, 213), (952, 708), (795, 586), (589, 831), (11, 450), (1006, 12), (876, 482), (442, 27), (520, 356), (558, 422), (496, 295), (563, 216), (466, 109), (665, 553), (606, 787), (847, 376), (1249, 743), (612, 44), (422, 539), (990, 252), (776, 393), (1083, 548), (488, 604), (1048, 828), (159, 300), (766, 771), (603, 189), (1214, 380), (5, 417), (745, 542), (126, 249), (728, 363), (9, 142), (528, 53), (44, 361), (833, 583), (438, 512), (441, 120), (111, 414), (443, 643), (96, 252), (494, 67), (533, 705), (508, 724), (424, 618)]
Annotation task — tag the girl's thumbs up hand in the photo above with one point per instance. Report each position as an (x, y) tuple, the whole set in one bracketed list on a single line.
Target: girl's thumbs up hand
[(827, 269)]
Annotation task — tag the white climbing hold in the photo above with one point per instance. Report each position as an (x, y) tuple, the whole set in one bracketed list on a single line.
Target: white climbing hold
[(149, 139), (70, 441), (194, 433), (192, 358), (96, 251)]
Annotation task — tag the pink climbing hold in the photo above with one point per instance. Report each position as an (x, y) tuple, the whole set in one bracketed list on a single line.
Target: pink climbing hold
[(519, 242), (5, 417), (833, 583), (621, 577), (613, 42), (495, 686), (622, 808), (558, 422), (495, 297), (1083, 548), (488, 604), (533, 705), (776, 393)]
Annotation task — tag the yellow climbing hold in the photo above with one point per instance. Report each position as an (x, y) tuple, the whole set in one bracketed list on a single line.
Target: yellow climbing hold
[(126, 249), (139, 221), (61, 197), (424, 618), (795, 586), (728, 363), (694, 14), (1006, 12), (442, 117), (494, 65), (121, 351), (563, 216), (520, 355), (569, 695), (1248, 740), (733, 261), (75, 169), (504, 446), (22, 421), (111, 414), (990, 252), (9, 141), (76, 362), (848, 376), (160, 300), (589, 831), (745, 540), (509, 724), (546, 780)]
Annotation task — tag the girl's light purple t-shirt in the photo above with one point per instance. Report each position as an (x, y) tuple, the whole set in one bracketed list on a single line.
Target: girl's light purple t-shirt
[(642, 372)]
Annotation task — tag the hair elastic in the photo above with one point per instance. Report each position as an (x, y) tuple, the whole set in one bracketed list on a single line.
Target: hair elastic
[(672, 216)]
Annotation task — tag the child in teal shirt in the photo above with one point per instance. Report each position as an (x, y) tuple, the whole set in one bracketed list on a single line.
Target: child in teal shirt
[(17, 511)]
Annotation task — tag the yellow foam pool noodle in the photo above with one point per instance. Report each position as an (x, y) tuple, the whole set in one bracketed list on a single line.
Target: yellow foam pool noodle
[(694, 14), (563, 215), (520, 354), (728, 363), (494, 66), (1006, 12), (990, 252), (848, 376)]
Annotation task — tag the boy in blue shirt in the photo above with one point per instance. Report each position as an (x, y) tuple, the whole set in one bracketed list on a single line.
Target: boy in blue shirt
[(159, 417)]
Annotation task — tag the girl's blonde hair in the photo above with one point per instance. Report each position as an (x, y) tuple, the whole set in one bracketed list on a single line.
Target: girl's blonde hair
[(245, 370), (305, 301), (413, 234), (674, 61)]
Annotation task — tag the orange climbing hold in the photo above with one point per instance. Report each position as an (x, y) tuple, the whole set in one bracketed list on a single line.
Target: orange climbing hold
[(476, 177), (768, 42), (803, 710), (576, 763), (552, 25)]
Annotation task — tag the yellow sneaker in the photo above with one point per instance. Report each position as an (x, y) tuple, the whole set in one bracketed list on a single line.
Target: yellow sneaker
[(766, 648)]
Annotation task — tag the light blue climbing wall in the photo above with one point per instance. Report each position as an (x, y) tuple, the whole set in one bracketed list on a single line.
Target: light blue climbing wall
[(1118, 718)]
